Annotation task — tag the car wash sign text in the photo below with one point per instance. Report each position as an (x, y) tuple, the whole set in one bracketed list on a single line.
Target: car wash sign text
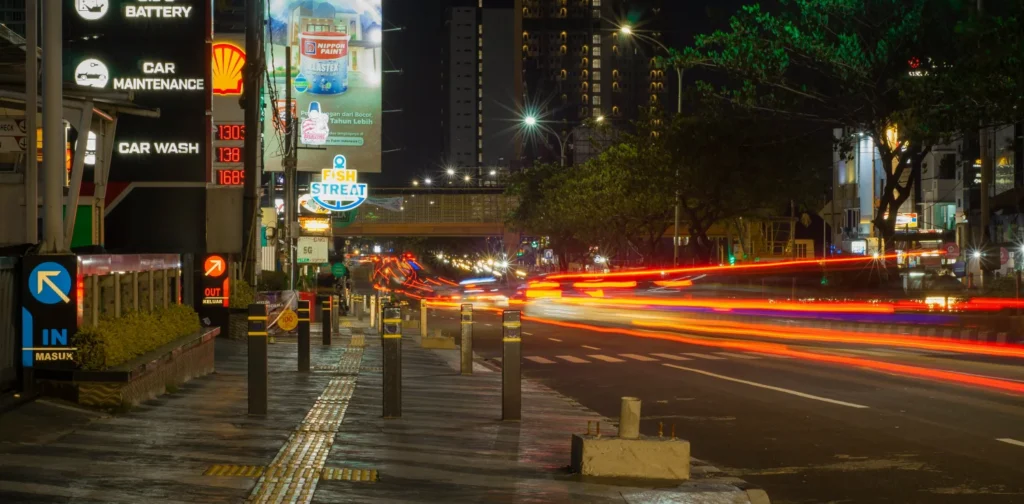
[(338, 190)]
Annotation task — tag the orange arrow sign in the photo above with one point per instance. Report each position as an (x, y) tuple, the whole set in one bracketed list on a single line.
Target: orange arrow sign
[(214, 266)]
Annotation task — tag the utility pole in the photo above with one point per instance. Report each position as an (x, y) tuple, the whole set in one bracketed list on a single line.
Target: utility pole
[(291, 155), (984, 137), (253, 90), (31, 112), (53, 130)]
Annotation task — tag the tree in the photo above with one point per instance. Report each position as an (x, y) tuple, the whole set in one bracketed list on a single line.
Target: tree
[(843, 64), (540, 191), (730, 165)]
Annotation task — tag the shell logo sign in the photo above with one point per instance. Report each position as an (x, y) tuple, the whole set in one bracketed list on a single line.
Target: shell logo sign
[(227, 64)]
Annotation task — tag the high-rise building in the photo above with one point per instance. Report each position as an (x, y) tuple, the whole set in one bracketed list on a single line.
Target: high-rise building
[(482, 99), (578, 66)]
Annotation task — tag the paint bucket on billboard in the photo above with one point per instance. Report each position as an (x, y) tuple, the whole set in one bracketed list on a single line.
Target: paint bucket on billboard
[(324, 61)]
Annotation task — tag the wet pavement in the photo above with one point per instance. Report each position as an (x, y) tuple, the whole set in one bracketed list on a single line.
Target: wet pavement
[(324, 440)]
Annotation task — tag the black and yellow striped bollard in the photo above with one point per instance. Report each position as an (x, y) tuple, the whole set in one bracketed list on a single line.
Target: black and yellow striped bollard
[(325, 312), (511, 377), (303, 336), (391, 341), (257, 359)]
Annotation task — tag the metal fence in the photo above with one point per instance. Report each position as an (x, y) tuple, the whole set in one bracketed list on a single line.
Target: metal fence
[(427, 208), (8, 332)]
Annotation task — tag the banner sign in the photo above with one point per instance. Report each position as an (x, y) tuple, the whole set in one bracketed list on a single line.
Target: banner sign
[(336, 80)]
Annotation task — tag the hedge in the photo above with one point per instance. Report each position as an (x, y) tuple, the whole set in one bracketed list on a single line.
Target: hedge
[(115, 341), (242, 294)]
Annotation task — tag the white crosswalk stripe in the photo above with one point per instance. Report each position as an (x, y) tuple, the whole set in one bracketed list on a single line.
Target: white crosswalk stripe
[(671, 356), (574, 360), (641, 358), (540, 360), (605, 358), (705, 356), (588, 347), (738, 355)]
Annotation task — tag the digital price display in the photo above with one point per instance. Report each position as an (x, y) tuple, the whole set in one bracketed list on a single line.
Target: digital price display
[(231, 177), (229, 154), (230, 132)]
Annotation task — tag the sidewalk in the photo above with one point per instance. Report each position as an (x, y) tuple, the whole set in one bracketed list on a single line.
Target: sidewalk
[(159, 451), (323, 441)]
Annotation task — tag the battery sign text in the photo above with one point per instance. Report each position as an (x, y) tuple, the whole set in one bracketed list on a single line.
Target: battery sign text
[(157, 11)]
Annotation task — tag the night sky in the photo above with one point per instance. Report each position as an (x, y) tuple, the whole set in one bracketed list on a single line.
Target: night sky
[(417, 51)]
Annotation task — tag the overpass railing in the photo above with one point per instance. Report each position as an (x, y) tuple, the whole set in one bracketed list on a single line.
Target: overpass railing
[(428, 208)]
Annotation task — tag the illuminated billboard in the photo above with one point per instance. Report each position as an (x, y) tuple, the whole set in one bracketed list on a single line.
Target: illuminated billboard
[(336, 63)]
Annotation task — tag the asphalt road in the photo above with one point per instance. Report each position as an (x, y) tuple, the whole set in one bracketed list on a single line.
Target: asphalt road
[(806, 431)]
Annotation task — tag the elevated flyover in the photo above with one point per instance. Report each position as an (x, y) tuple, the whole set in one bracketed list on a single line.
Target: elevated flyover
[(475, 212)]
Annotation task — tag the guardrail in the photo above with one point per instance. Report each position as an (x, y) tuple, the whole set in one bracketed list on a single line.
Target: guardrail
[(8, 332), (427, 208), (115, 284)]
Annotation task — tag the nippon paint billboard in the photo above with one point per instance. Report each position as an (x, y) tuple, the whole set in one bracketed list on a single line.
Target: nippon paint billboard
[(336, 61)]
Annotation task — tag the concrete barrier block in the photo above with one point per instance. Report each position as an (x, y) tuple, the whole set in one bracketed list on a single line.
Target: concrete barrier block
[(649, 458), (438, 343)]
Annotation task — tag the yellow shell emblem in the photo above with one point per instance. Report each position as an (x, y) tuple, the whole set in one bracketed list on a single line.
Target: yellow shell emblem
[(228, 63)]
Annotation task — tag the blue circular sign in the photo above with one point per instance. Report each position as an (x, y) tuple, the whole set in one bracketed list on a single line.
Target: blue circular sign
[(50, 283), (340, 162), (300, 83)]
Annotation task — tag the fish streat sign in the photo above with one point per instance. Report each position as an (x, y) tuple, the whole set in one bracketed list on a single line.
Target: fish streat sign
[(338, 190)]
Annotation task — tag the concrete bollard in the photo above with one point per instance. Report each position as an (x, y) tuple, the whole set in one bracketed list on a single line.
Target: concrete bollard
[(629, 418), (391, 341), (511, 366), (466, 345), (423, 318), (257, 365), (303, 336)]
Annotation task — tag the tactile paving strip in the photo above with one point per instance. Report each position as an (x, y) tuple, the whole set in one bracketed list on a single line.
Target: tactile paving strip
[(294, 472), (238, 471), (348, 474)]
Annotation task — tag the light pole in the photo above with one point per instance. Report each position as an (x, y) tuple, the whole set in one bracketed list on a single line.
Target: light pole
[(532, 122), (629, 32)]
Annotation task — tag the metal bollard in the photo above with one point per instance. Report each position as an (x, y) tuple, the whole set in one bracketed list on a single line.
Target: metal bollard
[(303, 336), (335, 314), (511, 386), (257, 359), (466, 347), (325, 313), (392, 347), (372, 309)]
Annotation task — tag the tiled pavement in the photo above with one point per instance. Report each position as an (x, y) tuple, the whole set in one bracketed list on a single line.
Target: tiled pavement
[(159, 451), (323, 443)]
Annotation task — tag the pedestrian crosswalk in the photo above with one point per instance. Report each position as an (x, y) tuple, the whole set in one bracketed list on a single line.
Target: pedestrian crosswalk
[(651, 357)]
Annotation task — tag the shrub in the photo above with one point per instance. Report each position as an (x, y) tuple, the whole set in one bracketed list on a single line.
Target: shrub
[(242, 294), (115, 341), (273, 281)]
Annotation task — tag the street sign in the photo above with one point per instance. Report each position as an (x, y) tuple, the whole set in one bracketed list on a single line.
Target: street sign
[(216, 282), (49, 311), (339, 270), (12, 144), (289, 320), (214, 266), (1004, 256), (952, 250), (960, 269), (312, 250), (10, 126)]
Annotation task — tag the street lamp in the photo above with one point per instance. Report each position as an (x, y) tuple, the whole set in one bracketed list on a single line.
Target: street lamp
[(629, 32), (450, 171), (415, 183), (466, 178), (532, 122), (427, 181)]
